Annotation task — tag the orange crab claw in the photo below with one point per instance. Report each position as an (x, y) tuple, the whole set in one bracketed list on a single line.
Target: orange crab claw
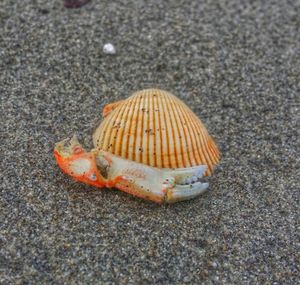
[(75, 161), (103, 169)]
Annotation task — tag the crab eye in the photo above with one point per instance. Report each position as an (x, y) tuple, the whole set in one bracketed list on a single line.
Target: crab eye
[(93, 177), (77, 149)]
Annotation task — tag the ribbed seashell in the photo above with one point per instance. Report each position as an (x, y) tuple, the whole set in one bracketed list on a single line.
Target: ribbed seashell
[(155, 128)]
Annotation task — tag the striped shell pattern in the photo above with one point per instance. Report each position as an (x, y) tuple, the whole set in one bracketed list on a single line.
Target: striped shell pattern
[(155, 128)]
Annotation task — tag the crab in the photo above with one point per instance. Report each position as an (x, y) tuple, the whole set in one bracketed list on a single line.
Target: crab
[(103, 167)]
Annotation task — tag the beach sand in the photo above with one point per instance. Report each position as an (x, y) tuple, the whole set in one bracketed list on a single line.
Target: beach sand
[(236, 64)]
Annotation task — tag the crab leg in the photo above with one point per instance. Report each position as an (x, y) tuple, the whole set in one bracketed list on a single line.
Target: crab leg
[(185, 192), (159, 185), (189, 174), (187, 183), (103, 169)]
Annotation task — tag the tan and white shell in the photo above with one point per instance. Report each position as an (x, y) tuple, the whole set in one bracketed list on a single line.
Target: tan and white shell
[(156, 128)]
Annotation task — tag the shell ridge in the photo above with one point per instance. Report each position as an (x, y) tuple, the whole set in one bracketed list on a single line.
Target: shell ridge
[(158, 134), (196, 146), (214, 159), (174, 143), (214, 150), (183, 142), (144, 138), (151, 158), (180, 151), (167, 143), (99, 131), (140, 130), (115, 131), (191, 154), (210, 153), (176, 105), (194, 151), (192, 126), (134, 138), (203, 145), (111, 119), (126, 149), (180, 111), (198, 135), (119, 142), (136, 142)]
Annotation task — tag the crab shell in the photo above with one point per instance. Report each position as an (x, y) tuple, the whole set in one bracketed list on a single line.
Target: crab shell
[(155, 128)]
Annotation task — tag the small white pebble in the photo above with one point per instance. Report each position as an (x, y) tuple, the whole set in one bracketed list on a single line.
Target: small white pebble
[(109, 49), (214, 264)]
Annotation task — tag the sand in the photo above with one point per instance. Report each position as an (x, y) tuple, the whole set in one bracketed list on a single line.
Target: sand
[(236, 64)]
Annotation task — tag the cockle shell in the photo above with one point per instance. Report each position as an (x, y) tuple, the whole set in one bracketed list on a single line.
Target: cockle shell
[(156, 128)]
